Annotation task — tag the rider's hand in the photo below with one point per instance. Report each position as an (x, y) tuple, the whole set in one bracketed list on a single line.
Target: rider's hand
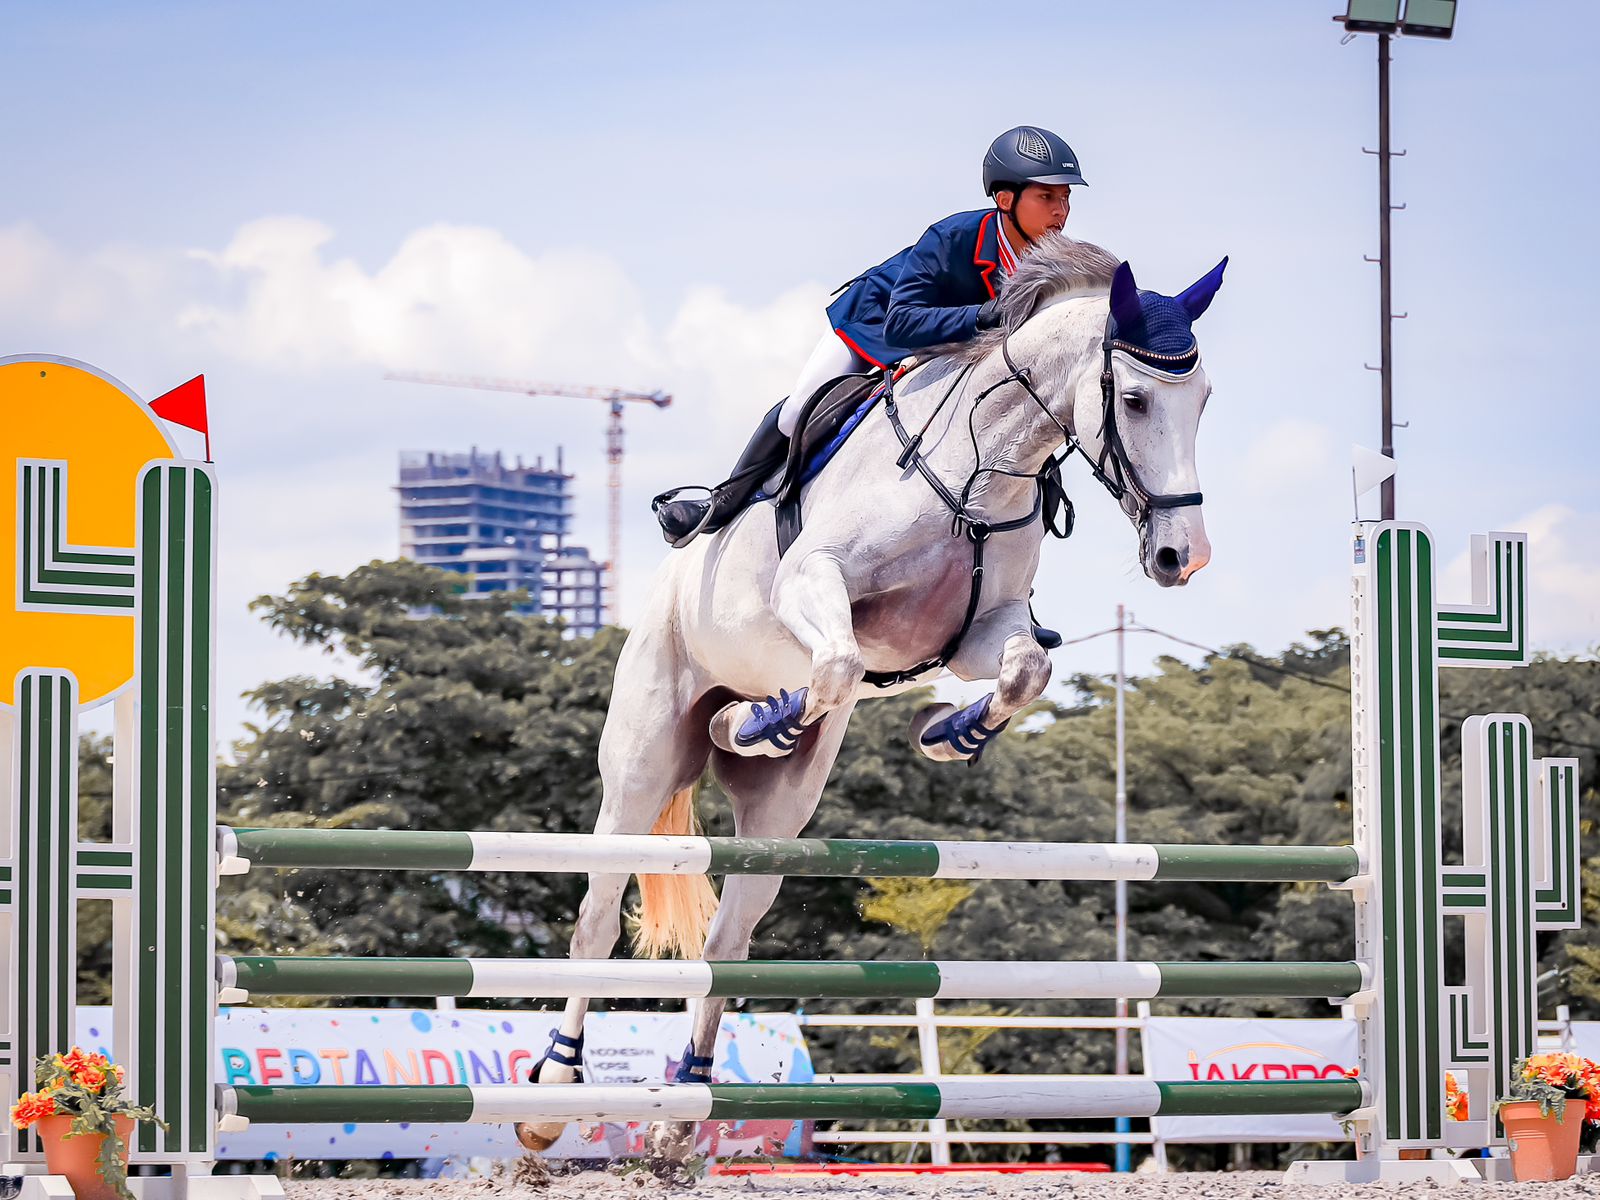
[(989, 314)]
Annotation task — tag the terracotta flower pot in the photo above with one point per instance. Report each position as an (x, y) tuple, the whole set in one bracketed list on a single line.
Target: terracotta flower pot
[(78, 1158), (1543, 1148)]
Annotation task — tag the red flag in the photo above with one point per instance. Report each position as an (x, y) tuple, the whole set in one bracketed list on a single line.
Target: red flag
[(186, 405)]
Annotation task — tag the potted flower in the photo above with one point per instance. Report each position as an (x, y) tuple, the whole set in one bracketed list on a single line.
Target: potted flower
[(84, 1121), (1542, 1129)]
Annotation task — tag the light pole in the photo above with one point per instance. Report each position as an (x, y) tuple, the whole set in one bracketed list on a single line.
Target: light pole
[(1124, 1150), (1386, 18)]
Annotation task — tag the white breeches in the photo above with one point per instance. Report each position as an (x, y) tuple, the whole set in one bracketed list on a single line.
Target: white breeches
[(829, 360)]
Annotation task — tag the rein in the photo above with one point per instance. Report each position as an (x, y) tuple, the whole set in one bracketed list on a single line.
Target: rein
[(1121, 480)]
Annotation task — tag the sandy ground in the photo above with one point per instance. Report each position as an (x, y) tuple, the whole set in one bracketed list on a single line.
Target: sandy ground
[(600, 1185)]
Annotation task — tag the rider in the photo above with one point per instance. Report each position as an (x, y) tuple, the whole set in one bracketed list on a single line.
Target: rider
[(938, 291)]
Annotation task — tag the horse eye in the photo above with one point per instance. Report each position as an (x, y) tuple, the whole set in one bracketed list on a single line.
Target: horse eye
[(1137, 402)]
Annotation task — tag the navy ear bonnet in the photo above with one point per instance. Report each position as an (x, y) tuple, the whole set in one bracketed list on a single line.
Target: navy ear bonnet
[(1155, 329)]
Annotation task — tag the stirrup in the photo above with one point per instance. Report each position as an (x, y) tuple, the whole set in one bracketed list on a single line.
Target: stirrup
[(965, 730), (695, 1068), (564, 1052), (779, 722), (671, 494)]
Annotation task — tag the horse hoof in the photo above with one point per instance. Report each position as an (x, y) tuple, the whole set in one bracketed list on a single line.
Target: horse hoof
[(926, 717), (537, 1138)]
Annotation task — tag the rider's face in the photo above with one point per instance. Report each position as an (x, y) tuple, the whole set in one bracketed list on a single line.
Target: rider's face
[(1041, 208)]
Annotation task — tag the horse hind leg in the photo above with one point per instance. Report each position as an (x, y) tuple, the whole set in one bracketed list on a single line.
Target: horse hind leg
[(634, 764), (769, 800), (811, 599)]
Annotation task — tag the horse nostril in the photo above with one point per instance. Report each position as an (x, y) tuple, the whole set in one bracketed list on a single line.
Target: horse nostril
[(1167, 561)]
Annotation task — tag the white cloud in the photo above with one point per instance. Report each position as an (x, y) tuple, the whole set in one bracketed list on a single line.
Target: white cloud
[(451, 297), (42, 284), (465, 299), (1290, 454)]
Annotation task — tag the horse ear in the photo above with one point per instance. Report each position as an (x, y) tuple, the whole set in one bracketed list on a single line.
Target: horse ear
[(1125, 308), (1196, 298)]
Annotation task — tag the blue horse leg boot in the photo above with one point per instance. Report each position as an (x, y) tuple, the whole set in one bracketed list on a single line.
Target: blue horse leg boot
[(695, 1068), (564, 1051), (965, 732)]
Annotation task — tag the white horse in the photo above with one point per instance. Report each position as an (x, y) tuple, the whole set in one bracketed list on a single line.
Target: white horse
[(881, 579)]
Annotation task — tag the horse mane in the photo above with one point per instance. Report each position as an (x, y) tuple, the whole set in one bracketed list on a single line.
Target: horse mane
[(1056, 266)]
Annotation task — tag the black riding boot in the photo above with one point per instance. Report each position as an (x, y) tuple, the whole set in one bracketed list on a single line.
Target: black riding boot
[(682, 520)]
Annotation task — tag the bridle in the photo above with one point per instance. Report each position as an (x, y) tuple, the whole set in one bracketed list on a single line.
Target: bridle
[(1114, 470), (1124, 475)]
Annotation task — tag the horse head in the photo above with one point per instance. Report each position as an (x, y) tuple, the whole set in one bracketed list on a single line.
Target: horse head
[(1137, 416)]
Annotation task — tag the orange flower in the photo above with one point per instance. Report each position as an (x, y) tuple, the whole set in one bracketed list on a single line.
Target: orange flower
[(34, 1106), (74, 1060), (1555, 1075), (1455, 1100), (117, 1073), (89, 1077)]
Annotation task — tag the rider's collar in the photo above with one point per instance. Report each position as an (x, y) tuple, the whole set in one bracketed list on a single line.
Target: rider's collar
[(1007, 255)]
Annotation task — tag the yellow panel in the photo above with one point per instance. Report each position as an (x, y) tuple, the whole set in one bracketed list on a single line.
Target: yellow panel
[(105, 435)]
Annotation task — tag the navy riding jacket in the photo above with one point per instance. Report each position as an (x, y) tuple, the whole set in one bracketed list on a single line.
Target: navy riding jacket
[(926, 295)]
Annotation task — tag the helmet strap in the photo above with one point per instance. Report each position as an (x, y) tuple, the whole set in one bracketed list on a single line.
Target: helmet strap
[(1016, 194)]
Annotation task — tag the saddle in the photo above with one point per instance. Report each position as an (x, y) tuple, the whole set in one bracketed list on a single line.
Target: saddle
[(827, 419)]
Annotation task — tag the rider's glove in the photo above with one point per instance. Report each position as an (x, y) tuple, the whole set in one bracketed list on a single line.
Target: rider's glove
[(989, 314)]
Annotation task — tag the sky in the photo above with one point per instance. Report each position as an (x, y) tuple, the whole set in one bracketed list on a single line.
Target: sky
[(293, 198)]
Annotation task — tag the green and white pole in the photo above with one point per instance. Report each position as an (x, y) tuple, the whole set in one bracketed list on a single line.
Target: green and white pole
[(1093, 1096), (166, 1023), (38, 921), (399, 849), (240, 979)]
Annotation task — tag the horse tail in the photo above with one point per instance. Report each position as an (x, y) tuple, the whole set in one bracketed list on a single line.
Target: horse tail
[(674, 911)]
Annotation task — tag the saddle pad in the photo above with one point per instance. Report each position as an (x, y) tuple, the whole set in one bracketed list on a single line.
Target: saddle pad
[(828, 420)]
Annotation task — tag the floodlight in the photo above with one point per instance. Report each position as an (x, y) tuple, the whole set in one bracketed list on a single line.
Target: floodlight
[(1429, 18), (1372, 16)]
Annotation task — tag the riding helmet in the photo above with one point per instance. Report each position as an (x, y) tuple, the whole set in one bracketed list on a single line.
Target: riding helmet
[(1028, 154)]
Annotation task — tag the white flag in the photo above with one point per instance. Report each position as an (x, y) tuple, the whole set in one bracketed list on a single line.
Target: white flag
[(1371, 469)]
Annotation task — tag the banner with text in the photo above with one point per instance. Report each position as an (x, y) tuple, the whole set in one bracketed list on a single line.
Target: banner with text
[(308, 1047), (1225, 1048)]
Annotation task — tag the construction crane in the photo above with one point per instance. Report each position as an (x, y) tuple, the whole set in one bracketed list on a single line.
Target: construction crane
[(615, 397)]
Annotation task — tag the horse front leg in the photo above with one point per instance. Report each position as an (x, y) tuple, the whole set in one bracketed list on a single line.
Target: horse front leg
[(810, 597), (1000, 645)]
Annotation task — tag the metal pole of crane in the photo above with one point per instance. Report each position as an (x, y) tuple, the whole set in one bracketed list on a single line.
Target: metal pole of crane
[(613, 594)]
